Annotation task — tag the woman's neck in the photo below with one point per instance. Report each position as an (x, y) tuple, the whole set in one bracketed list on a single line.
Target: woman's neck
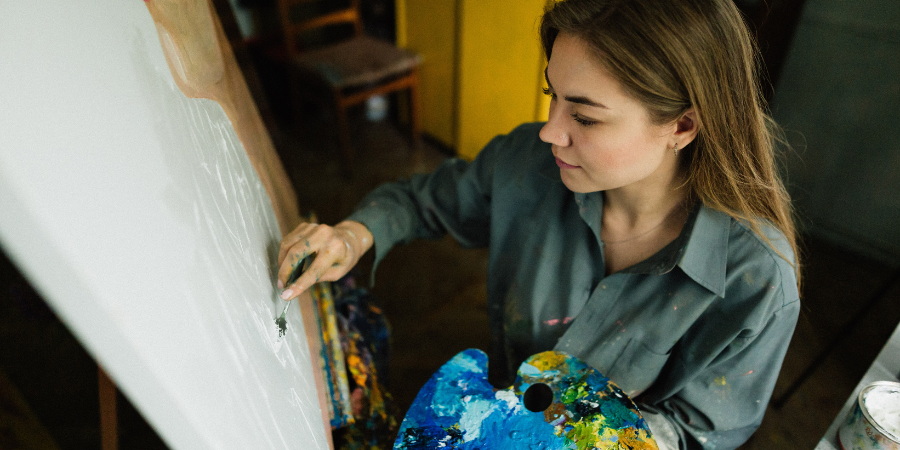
[(637, 223), (636, 207)]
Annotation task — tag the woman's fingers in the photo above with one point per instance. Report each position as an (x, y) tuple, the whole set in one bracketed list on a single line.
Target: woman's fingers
[(334, 257), (330, 264), (292, 263), (294, 237), (294, 248), (337, 249)]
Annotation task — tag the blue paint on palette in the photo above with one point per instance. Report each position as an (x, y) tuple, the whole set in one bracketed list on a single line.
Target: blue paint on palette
[(582, 409)]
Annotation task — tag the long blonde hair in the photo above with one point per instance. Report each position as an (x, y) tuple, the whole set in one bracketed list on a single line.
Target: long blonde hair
[(673, 55)]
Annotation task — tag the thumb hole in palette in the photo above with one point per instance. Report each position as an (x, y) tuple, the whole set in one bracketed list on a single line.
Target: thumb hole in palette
[(538, 397)]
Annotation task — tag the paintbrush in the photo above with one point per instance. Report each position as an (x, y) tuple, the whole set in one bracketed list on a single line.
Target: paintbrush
[(298, 270)]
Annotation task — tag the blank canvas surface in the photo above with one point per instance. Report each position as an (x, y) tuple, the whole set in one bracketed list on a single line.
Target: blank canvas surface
[(137, 214)]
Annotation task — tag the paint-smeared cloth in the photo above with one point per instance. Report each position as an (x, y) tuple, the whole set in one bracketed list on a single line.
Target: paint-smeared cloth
[(698, 330), (665, 433), (365, 335)]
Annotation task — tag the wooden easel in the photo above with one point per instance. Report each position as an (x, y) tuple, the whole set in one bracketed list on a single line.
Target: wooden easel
[(109, 420)]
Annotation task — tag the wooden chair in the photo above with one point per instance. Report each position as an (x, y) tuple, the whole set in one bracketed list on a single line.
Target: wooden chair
[(352, 70)]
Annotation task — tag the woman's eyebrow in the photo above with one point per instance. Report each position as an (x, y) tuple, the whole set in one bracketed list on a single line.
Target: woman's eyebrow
[(575, 98)]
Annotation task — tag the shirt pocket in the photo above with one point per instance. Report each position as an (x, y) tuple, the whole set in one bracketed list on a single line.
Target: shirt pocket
[(637, 367)]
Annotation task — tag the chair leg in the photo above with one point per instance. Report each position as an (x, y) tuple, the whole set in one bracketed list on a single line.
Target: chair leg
[(343, 131)]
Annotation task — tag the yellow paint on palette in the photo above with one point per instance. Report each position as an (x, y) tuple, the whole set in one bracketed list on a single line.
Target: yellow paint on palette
[(597, 434), (635, 439), (549, 361), (609, 440), (585, 434)]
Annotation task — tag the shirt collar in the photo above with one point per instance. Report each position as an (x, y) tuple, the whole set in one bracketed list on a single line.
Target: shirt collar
[(700, 250), (705, 254)]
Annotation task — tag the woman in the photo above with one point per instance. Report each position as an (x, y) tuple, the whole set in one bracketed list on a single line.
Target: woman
[(643, 228)]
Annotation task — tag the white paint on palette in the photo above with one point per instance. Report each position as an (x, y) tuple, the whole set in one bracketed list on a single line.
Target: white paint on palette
[(136, 213)]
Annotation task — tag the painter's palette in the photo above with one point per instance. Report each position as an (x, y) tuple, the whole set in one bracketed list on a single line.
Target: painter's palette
[(557, 402)]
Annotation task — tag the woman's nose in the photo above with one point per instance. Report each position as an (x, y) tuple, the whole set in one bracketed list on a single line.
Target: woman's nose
[(553, 133)]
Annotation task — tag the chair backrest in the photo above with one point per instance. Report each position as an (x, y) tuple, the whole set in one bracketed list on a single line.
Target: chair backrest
[(292, 30)]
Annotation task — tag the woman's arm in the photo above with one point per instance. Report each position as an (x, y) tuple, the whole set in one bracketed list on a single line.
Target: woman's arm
[(453, 199)]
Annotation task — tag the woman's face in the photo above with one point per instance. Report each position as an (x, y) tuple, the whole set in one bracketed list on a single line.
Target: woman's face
[(601, 137)]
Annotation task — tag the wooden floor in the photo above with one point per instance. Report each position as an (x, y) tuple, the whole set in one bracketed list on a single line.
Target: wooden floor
[(434, 296)]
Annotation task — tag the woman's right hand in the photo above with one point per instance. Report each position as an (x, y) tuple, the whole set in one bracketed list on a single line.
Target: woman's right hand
[(337, 250)]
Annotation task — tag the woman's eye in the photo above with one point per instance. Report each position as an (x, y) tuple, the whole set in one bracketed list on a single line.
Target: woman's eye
[(582, 120)]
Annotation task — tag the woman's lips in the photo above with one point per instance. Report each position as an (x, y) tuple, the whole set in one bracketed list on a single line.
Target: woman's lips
[(563, 165)]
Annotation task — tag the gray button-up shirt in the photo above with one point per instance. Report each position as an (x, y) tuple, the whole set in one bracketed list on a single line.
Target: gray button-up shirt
[(696, 332)]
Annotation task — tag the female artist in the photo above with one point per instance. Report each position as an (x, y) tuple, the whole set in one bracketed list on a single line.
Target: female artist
[(643, 228)]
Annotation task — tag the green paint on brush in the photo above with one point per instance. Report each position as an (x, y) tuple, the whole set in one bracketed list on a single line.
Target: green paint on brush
[(299, 267), (281, 322)]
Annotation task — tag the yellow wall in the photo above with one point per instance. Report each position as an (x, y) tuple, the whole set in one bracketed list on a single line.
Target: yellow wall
[(430, 30), (482, 70), (499, 74)]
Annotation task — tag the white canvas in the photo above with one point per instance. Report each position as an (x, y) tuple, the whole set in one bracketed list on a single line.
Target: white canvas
[(136, 213)]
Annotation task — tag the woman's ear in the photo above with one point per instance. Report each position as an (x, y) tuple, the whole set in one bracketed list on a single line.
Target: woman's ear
[(686, 128)]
